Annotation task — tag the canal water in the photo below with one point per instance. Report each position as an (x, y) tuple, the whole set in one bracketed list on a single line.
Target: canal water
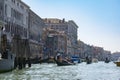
[(82, 71)]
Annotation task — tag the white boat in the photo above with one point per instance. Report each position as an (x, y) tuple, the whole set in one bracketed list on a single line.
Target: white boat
[(94, 60), (6, 57), (7, 64)]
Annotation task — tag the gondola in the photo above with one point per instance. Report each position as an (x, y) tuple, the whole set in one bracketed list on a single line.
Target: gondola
[(107, 60), (63, 63)]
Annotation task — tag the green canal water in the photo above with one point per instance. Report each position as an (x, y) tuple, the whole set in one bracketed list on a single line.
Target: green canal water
[(82, 71)]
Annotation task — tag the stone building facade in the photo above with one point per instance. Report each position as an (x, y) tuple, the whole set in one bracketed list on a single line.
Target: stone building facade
[(70, 29), (54, 42), (72, 36), (1, 11), (14, 19), (36, 25)]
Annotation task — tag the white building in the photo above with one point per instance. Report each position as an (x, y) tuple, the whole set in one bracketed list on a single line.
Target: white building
[(15, 15)]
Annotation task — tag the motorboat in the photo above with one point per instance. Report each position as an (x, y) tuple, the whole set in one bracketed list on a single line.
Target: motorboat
[(94, 60), (6, 62), (75, 59)]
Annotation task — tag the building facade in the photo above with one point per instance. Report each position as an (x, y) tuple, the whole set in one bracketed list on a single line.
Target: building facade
[(36, 25), (67, 27), (14, 20), (54, 42), (72, 36), (1, 11)]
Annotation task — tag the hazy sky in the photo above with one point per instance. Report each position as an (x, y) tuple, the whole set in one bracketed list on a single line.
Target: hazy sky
[(98, 20)]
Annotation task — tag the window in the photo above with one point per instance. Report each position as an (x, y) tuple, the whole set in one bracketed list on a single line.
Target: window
[(22, 6), (5, 9), (11, 57), (14, 1), (17, 4), (1, 9)]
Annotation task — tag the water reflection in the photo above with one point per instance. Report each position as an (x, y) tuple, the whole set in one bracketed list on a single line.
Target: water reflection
[(95, 71)]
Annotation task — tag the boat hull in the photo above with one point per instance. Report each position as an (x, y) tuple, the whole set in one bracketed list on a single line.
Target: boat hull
[(63, 63), (117, 63), (6, 65)]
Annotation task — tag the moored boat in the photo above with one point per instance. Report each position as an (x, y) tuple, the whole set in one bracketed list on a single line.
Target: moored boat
[(117, 62), (7, 62), (6, 57), (94, 60)]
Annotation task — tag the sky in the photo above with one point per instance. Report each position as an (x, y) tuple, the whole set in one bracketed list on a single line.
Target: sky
[(98, 20)]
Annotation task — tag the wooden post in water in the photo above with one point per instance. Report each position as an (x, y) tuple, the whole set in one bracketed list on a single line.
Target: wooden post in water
[(21, 49), (16, 48)]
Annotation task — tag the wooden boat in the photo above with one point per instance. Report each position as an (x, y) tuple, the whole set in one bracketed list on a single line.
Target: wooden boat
[(117, 62), (7, 64), (88, 60), (107, 60), (63, 63)]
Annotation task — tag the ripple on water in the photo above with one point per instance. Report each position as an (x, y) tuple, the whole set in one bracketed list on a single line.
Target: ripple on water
[(83, 71)]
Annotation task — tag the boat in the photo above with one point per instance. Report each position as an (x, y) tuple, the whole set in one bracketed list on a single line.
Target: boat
[(7, 62), (94, 60), (88, 60), (6, 56), (75, 59), (63, 63), (107, 60), (117, 62)]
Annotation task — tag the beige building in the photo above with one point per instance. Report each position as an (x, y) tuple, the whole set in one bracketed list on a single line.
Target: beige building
[(70, 29), (55, 41), (36, 25)]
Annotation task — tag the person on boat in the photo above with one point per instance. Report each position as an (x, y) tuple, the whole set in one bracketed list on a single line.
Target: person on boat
[(59, 58), (107, 60), (88, 60)]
